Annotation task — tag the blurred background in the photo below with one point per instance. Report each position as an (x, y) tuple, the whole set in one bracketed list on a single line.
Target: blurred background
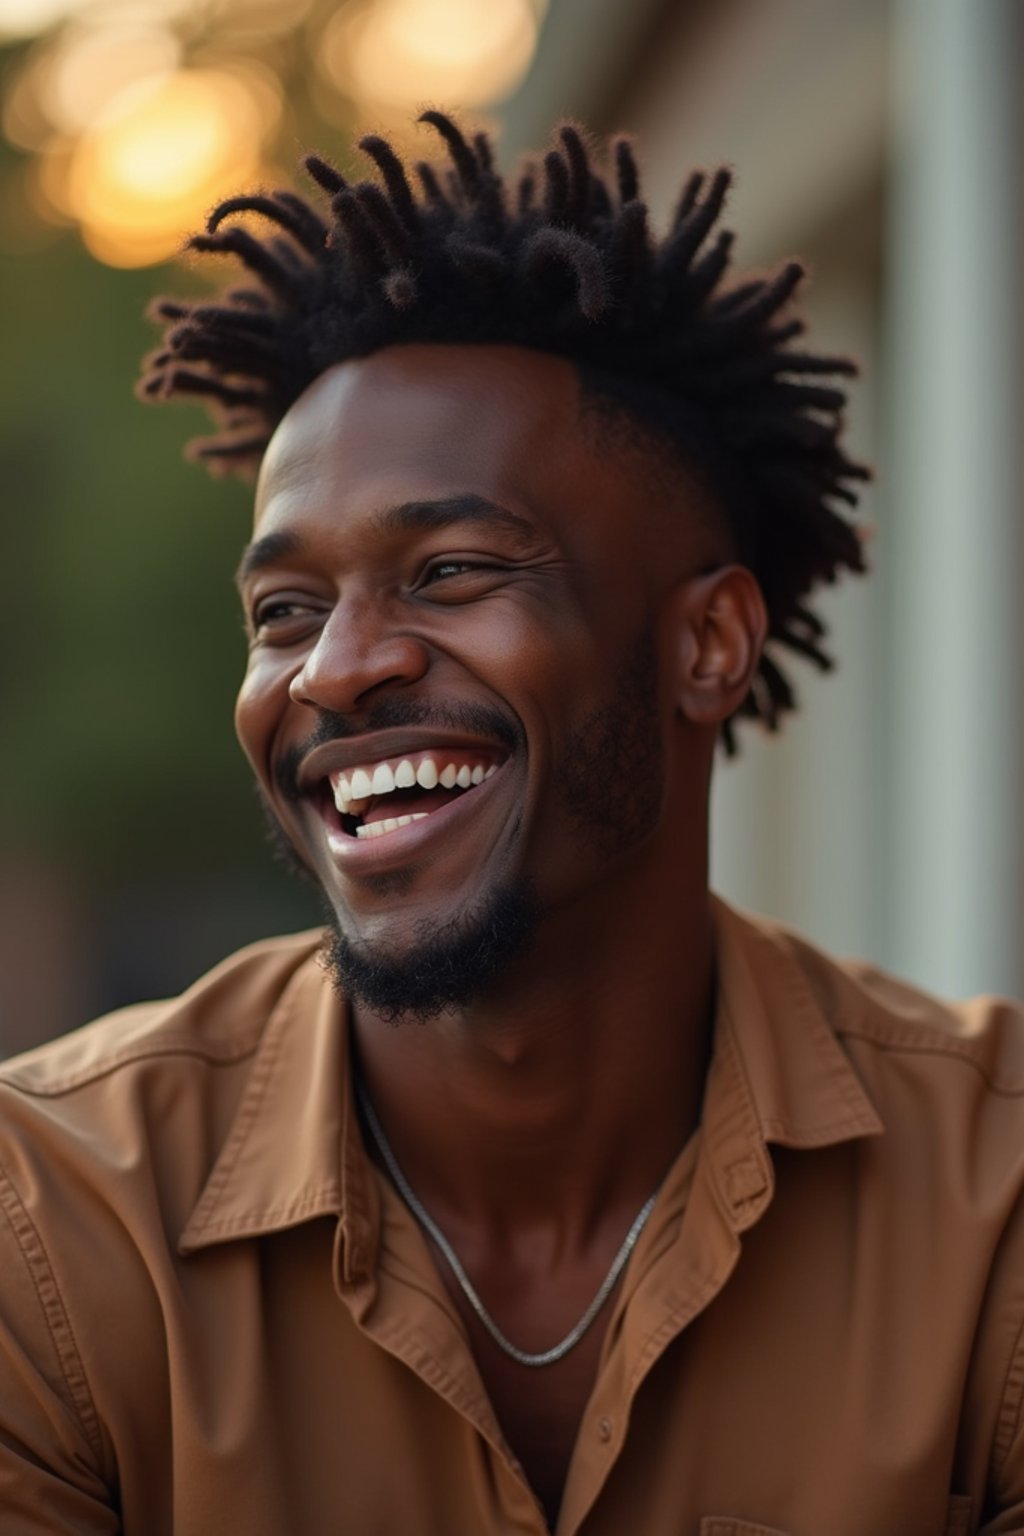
[(880, 139)]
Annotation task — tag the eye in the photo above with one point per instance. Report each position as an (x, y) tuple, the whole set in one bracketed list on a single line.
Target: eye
[(454, 579), (450, 578), (282, 617), (444, 570), (276, 608)]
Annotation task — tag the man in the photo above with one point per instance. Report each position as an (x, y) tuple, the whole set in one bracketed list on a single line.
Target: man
[(546, 1193)]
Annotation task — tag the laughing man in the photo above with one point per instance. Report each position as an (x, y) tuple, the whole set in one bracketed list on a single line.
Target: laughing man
[(545, 1193)]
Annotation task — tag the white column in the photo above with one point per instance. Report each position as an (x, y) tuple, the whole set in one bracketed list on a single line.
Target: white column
[(951, 551)]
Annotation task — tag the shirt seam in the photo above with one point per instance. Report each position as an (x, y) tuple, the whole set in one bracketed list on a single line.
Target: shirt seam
[(1010, 1404), (690, 1304), (207, 1221), (856, 1114), (820, 1134), (321, 1201), (409, 1344), (51, 1301), (961, 1052), (753, 1129), (230, 1056), (241, 1131)]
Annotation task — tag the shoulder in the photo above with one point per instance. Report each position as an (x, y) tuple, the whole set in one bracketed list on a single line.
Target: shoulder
[(945, 1079), (879, 1017), (107, 1137), (135, 1107), (219, 1019), (935, 1195)]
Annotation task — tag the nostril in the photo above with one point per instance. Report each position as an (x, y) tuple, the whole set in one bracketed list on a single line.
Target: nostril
[(297, 689)]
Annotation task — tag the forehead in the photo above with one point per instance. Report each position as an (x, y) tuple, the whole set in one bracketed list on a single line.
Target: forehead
[(419, 420), (505, 424)]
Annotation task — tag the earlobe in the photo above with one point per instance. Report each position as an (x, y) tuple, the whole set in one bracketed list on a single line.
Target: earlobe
[(721, 624)]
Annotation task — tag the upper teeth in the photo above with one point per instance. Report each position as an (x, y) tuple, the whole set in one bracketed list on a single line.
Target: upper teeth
[(354, 789)]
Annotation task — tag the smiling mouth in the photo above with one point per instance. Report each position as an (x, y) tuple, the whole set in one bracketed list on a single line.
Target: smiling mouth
[(376, 798)]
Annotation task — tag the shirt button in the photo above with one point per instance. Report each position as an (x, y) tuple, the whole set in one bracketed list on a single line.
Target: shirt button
[(604, 1428)]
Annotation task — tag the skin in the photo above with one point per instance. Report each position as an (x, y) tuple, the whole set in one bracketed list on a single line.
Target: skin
[(536, 1120)]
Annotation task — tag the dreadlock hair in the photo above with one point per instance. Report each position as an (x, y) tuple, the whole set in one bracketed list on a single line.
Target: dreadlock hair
[(560, 259)]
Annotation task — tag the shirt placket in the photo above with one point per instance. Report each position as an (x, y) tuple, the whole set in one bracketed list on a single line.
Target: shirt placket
[(681, 1265), (384, 1274)]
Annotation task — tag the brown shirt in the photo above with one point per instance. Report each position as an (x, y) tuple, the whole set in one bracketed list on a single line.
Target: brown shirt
[(216, 1316)]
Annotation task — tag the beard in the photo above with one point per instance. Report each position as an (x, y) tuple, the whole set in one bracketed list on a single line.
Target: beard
[(454, 962), (611, 776), (449, 965)]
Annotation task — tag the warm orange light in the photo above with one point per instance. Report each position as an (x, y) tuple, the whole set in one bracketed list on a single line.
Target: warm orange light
[(259, 17), (405, 52), (29, 18), (25, 122), (25, 18), (147, 170), (88, 66)]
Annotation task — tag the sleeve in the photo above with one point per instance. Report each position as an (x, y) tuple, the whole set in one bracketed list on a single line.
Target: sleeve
[(50, 1443)]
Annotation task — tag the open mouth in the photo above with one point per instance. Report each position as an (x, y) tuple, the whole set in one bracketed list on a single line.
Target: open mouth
[(377, 798)]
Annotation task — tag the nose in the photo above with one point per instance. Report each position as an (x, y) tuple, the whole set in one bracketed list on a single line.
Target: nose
[(358, 651)]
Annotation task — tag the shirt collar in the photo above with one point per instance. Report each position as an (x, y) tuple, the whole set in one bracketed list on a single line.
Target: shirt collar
[(294, 1150), (778, 1071), (291, 1154)]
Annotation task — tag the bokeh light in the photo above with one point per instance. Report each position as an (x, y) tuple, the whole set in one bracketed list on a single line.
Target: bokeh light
[(29, 18), (24, 18), (258, 18), (89, 65), (138, 117), (401, 53), (146, 169)]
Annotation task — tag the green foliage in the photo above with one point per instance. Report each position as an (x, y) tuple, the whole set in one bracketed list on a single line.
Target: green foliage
[(120, 628)]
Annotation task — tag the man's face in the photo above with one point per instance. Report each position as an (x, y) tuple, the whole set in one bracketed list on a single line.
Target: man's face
[(452, 702)]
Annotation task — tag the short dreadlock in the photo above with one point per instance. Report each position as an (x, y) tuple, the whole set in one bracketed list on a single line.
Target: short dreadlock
[(561, 260)]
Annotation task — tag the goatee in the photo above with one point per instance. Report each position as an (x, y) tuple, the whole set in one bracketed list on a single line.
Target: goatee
[(449, 966)]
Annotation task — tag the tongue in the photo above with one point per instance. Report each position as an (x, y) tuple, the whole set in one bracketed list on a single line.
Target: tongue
[(405, 802)]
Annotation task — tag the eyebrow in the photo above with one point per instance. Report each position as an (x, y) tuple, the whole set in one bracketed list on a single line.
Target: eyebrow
[(411, 516), (265, 551), (406, 517)]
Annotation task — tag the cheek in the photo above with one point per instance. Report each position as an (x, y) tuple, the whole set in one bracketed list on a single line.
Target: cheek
[(537, 647), (260, 707)]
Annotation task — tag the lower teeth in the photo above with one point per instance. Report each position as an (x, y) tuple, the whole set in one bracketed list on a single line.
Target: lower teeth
[(377, 828)]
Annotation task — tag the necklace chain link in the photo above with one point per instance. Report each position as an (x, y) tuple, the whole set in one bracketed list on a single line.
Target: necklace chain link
[(575, 1334)]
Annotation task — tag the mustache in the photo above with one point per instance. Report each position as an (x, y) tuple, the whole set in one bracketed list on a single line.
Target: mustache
[(386, 714)]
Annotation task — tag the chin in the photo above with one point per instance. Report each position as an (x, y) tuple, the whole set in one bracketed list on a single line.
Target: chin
[(445, 965)]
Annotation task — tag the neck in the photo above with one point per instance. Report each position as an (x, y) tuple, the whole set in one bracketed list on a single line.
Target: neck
[(562, 1100)]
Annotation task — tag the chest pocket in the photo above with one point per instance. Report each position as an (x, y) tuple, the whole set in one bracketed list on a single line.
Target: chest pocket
[(959, 1517)]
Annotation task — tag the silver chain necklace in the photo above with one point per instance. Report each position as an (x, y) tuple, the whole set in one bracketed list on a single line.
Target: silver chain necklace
[(572, 1338)]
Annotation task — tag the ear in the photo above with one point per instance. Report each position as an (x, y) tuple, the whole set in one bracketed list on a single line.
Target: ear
[(720, 627)]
